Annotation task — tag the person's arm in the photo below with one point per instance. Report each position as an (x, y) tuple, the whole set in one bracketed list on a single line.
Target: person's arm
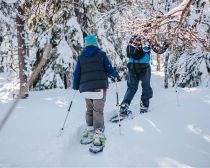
[(157, 48), (76, 76), (108, 67)]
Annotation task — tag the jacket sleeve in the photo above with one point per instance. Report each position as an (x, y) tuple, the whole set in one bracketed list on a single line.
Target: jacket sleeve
[(159, 49), (76, 76), (108, 67)]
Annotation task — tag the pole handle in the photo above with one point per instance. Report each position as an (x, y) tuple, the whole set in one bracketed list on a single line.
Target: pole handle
[(120, 132), (70, 106), (117, 95), (117, 99)]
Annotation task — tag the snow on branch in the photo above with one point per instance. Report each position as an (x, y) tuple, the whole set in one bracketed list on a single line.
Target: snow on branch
[(178, 10), (167, 27), (14, 1)]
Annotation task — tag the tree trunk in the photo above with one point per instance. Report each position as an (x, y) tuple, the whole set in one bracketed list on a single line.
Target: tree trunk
[(166, 77), (208, 64), (1, 39), (20, 21), (40, 65), (82, 16), (158, 62)]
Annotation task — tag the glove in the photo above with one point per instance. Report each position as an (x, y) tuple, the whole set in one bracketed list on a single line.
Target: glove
[(112, 78), (165, 44), (119, 79)]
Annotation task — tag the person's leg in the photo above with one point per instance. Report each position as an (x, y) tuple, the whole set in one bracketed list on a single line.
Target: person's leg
[(132, 84), (98, 115), (147, 91), (98, 121), (87, 135), (89, 112)]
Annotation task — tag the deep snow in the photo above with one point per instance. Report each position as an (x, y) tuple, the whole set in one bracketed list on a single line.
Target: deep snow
[(175, 133)]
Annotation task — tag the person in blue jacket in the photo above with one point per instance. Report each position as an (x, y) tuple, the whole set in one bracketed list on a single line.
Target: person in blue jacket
[(140, 70), (91, 76)]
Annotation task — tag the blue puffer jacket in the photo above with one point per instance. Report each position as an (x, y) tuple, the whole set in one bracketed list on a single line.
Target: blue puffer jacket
[(91, 51), (145, 59)]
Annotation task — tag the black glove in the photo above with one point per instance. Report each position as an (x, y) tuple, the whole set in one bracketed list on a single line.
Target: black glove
[(112, 78), (119, 79), (165, 44)]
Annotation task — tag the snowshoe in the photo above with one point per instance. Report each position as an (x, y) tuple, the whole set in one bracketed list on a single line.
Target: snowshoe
[(122, 116), (98, 143), (96, 149), (87, 136), (124, 113), (143, 109)]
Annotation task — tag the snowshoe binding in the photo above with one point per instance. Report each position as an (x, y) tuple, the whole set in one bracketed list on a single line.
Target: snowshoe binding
[(87, 136), (124, 113), (98, 143), (143, 109)]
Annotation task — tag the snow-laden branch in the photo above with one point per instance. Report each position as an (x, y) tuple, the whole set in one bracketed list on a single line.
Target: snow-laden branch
[(165, 27), (38, 68), (14, 1), (177, 11)]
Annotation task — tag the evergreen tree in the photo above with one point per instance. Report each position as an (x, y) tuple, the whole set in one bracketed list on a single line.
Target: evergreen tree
[(52, 32)]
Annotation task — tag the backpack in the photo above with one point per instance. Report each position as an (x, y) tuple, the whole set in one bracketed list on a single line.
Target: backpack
[(134, 49)]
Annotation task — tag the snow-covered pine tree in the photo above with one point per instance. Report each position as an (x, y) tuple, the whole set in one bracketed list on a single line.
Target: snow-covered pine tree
[(54, 32), (8, 46), (186, 70), (176, 24)]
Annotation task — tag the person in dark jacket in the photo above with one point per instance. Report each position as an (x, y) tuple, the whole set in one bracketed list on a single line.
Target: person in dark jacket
[(140, 70), (91, 79)]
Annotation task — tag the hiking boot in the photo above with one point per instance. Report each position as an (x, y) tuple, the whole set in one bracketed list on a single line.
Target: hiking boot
[(98, 142), (143, 109), (124, 113), (124, 109), (87, 136), (99, 138)]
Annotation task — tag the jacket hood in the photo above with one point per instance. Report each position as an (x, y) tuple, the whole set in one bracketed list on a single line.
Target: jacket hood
[(90, 51)]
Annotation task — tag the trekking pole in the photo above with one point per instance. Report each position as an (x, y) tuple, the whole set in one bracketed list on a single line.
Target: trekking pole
[(68, 112), (9, 112), (118, 106)]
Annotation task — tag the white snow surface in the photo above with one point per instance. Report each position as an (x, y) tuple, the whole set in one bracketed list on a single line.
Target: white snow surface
[(175, 133)]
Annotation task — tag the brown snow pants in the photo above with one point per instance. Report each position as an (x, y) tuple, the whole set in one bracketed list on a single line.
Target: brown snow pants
[(94, 113)]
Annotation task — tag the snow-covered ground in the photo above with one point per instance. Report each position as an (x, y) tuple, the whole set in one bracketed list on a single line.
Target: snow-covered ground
[(175, 133)]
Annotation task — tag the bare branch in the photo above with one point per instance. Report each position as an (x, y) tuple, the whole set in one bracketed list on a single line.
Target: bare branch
[(166, 27)]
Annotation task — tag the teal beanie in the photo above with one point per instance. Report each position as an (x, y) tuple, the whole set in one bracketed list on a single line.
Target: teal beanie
[(91, 40)]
